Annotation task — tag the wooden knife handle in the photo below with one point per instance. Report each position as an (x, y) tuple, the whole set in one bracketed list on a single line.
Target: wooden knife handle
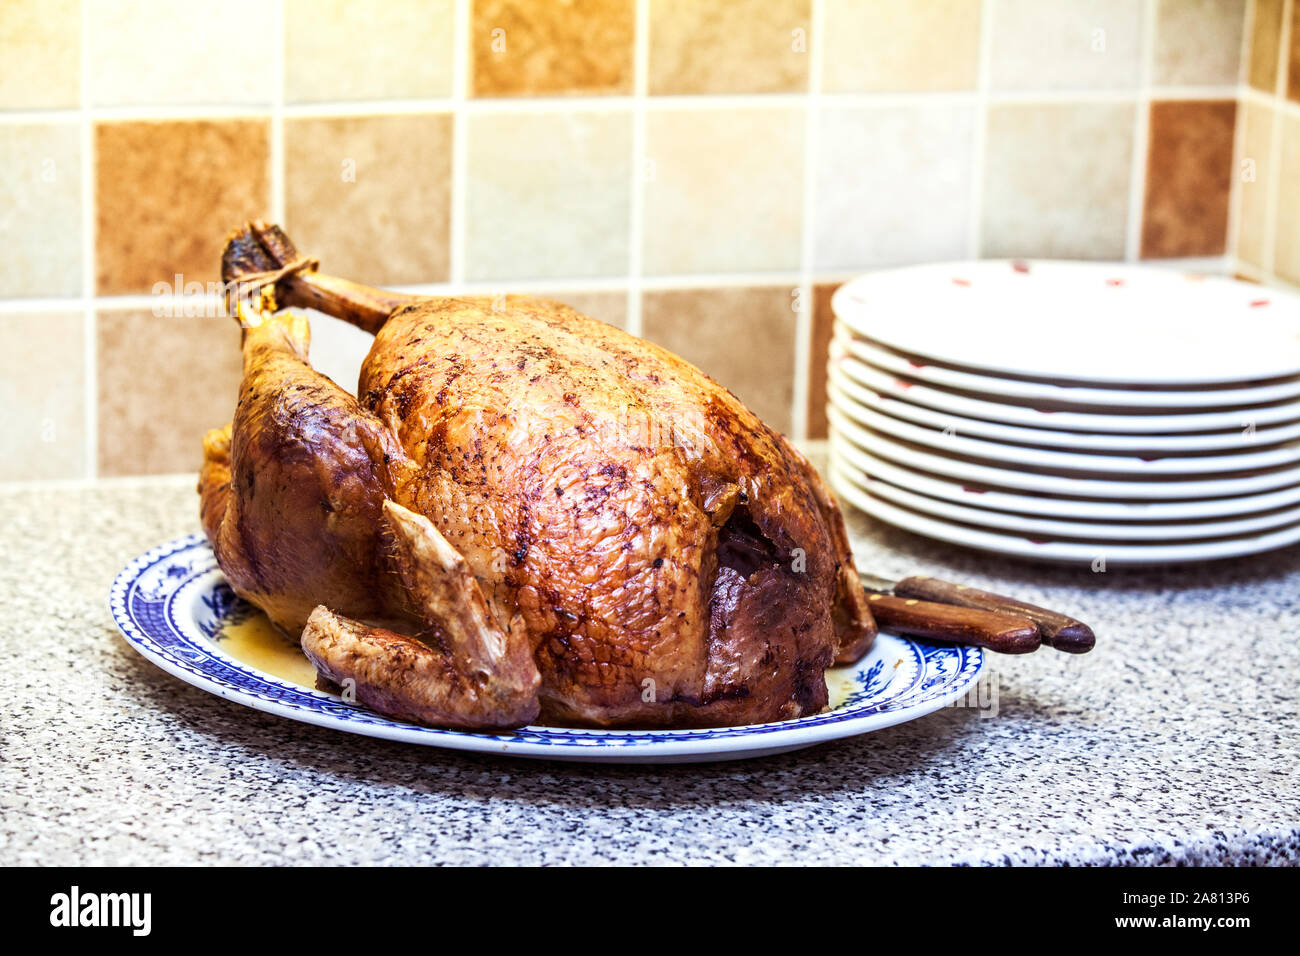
[(1004, 633), (1058, 631)]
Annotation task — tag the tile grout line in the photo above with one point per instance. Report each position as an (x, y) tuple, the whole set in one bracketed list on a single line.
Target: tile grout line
[(89, 323), (1141, 135), (576, 284), (800, 399), (596, 103), (979, 132), (460, 78), (636, 211)]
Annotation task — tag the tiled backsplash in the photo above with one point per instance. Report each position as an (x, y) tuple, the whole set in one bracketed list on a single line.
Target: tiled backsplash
[(701, 172)]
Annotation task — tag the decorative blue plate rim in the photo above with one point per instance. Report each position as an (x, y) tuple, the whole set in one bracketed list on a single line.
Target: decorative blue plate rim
[(148, 600)]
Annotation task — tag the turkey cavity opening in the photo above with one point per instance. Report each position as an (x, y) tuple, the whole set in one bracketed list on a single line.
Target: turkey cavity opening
[(744, 548)]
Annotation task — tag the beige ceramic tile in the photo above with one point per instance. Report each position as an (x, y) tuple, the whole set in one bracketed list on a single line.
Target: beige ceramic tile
[(900, 45), (609, 307), (548, 194), (540, 47), (40, 41), (42, 393), (370, 195), (40, 210), (909, 202), (1198, 42), (160, 52), (162, 383), (741, 337), (1056, 180), (1066, 44), (1255, 173), (167, 193), (344, 50), (1265, 43), (1188, 179), (723, 190), (728, 46), (1286, 252)]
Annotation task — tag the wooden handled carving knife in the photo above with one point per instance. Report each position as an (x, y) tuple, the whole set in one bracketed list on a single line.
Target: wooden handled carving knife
[(913, 600)]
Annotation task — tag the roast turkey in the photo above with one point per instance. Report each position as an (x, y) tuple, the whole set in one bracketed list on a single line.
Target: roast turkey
[(524, 515)]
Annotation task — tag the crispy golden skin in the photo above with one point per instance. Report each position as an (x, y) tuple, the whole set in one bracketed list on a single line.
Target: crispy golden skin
[(666, 558)]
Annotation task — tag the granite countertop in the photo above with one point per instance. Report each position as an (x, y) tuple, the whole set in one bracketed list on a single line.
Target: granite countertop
[(1174, 741)]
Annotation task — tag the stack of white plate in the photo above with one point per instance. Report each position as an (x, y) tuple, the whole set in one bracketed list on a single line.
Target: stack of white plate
[(1069, 411)]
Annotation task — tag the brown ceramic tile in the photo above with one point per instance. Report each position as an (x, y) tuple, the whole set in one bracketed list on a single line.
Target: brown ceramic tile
[(40, 209), (41, 40), (900, 45), (532, 47), (343, 50), (1265, 40), (167, 193), (162, 383), (1256, 173), (370, 195), (1293, 59), (728, 46), (741, 337), (1189, 176), (42, 391), (1056, 180), (609, 307), (823, 321), (1198, 41), (1286, 249)]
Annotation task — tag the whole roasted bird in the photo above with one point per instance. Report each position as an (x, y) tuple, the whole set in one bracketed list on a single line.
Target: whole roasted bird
[(524, 513)]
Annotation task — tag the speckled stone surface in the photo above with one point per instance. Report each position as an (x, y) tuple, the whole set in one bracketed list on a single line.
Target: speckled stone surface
[(1174, 742)]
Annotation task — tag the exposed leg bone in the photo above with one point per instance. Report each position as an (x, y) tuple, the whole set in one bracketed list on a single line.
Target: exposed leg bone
[(468, 672), (259, 248)]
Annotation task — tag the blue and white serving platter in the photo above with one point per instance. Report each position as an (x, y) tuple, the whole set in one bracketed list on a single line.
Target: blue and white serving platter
[(175, 608)]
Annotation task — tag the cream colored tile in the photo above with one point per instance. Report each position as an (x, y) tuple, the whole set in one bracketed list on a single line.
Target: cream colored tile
[(723, 190), (40, 210), (40, 41), (741, 337), (1056, 180), (728, 46), (909, 202), (1286, 250), (1198, 42), (344, 50), (42, 392), (1065, 44), (370, 196), (159, 52), (548, 194), (1255, 173), (900, 45)]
